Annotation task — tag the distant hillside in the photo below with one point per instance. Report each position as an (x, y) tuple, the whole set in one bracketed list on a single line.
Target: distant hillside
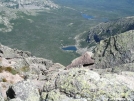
[(104, 30), (11, 9), (28, 4)]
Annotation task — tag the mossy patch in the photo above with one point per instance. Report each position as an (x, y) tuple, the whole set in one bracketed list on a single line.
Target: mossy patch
[(4, 80), (8, 69), (14, 71)]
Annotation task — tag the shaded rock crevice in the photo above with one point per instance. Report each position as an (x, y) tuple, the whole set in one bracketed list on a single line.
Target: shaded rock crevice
[(10, 93)]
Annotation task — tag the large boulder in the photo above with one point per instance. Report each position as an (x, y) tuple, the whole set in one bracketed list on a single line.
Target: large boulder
[(83, 83), (84, 60), (51, 75), (8, 78), (77, 82), (25, 90), (115, 51)]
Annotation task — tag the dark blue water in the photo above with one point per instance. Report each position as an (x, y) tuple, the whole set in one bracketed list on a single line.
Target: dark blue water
[(87, 16), (71, 48)]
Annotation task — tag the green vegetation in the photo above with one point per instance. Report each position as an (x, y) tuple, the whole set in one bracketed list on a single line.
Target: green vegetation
[(48, 32), (8, 69), (44, 35), (14, 71)]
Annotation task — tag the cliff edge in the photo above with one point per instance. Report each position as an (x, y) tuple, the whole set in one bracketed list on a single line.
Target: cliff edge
[(24, 77)]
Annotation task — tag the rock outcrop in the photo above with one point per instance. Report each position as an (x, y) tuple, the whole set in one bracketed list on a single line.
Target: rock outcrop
[(80, 84), (25, 90), (84, 60), (116, 52), (18, 59)]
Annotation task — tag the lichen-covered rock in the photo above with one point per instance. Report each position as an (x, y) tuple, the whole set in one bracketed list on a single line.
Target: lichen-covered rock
[(116, 50), (83, 83), (77, 82), (51, 76), (56, 95), (24, 90)]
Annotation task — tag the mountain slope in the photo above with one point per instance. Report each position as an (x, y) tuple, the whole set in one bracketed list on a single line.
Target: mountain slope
[(116, 52), (104, 30)]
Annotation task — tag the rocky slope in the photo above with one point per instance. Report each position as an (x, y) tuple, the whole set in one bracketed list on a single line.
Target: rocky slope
[(116, 52), (104, 30), (24, 77)]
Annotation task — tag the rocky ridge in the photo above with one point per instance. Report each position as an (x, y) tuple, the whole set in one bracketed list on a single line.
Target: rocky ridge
[(88, 40), (116, 52), (24, 77)]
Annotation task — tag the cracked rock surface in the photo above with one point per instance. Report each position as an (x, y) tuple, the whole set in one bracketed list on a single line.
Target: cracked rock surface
[(116, 51)]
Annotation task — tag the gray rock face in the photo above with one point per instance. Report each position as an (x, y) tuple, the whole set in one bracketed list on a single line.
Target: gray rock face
[(9, 53), (79, 84), (23, 58), (115, 51), (24, 90), (1, 97)]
